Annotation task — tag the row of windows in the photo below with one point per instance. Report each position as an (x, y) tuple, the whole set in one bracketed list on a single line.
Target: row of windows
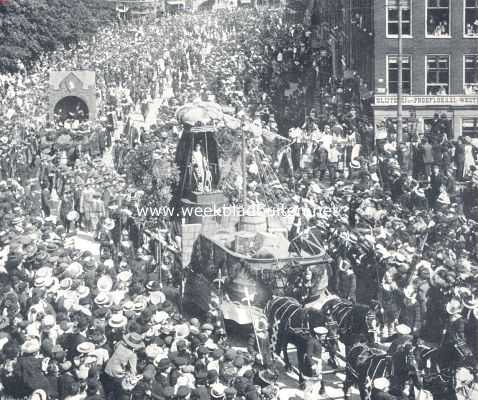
[(437, 18), (437, 74), (469, 127)]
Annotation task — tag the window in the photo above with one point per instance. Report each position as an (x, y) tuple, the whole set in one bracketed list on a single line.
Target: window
[(471, 17), (437, 75), (438, 18), (471, 74), (392, 17), (469, 127), (392, 74)]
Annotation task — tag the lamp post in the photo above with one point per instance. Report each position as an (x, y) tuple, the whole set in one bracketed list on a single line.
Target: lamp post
[(243, 165), (400, 72)]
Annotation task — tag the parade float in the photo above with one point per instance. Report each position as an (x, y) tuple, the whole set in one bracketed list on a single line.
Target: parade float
[(236, 255)]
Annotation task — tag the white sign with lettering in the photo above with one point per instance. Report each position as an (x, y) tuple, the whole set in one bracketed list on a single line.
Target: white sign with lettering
[(427, 100)]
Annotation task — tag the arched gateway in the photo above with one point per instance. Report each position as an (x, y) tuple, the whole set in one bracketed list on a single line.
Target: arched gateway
[(72, 94), (71, 107)]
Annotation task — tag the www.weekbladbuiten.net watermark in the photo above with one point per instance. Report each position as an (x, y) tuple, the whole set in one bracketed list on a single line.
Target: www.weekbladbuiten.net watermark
[(239, 211)]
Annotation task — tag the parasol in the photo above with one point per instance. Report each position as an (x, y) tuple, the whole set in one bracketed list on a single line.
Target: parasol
[(231, 122), (64, 140), (214, 110), (192, 115)]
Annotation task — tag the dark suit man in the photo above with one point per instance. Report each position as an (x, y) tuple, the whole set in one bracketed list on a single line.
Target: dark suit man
[(459, 158)]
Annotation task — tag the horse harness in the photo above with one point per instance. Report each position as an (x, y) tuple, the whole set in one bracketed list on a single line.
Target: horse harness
[(368, 354), (445, 375), (288, 305), (341, 311)]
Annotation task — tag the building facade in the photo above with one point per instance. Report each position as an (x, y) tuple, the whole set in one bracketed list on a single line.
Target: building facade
[(439, 62), (348, 26)]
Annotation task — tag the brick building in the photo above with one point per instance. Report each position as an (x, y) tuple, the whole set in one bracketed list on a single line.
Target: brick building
[(440, 56), (440, 61)]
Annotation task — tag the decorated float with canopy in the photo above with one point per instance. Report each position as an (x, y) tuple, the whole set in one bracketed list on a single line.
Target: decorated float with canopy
[(239, 255)]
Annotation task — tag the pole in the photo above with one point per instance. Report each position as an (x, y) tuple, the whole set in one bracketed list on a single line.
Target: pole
[(400, 72), (247, 298), (244, 176)]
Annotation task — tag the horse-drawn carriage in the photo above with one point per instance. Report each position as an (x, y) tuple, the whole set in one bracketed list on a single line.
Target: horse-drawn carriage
[(217, 270)]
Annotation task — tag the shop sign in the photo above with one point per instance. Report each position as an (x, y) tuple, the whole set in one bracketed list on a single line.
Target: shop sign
[(427, 100)]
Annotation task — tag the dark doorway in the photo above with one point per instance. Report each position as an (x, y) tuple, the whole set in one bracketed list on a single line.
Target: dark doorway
[(71, 107)]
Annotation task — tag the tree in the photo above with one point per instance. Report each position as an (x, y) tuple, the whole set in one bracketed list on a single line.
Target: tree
[(30, 27)]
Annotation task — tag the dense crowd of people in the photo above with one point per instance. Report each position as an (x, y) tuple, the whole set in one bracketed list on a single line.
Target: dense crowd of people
[(76, 325)]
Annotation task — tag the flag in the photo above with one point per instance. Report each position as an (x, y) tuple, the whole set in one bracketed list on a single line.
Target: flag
[(241, 313)]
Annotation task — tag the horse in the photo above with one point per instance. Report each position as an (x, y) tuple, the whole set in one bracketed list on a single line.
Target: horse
[(441, 365), (289, 322), (365, 364), (352, 319)]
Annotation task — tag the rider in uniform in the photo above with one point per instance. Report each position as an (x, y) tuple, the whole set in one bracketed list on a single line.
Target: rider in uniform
[(399, 339)]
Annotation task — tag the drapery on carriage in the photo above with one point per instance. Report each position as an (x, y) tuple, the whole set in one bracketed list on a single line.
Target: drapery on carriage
[(259, 274)]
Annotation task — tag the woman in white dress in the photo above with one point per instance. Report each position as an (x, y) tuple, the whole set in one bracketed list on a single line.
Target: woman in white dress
[(469, 160), (168, 85), (199, 165)]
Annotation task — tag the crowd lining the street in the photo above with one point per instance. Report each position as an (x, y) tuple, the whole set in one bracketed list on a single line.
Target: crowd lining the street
[(76, 326)]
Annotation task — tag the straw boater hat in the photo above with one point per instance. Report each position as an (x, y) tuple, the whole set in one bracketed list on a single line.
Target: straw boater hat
[(420, 193), (381, 384), (468, 299), (134, 340), (102, 299), (454, 306), (31, 346), (182, 331), (321, 330), (85, 348), (436, 279), (117, 321), (403, 329), (72, 216), (443, 199), (159, 317), (218, 391), (74, 270), (355, 164), (105, 283), (124, 276), (109, 224)]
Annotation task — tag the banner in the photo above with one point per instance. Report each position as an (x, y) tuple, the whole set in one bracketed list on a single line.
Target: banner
[(241, 313), (427, 100)]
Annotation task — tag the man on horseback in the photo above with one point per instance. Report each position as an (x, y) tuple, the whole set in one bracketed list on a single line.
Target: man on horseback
[(399, 339)]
